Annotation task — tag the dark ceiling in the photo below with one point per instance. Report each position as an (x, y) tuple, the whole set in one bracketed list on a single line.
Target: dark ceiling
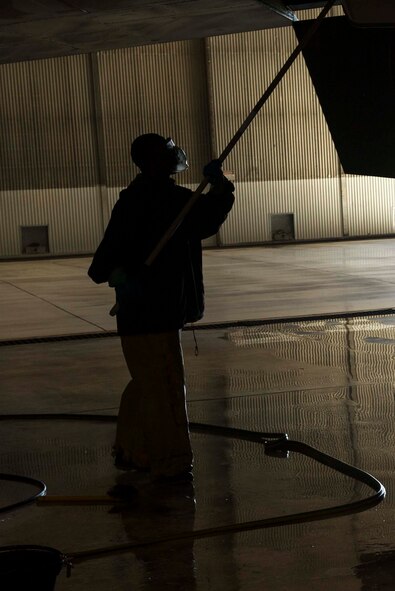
[(33, 29)]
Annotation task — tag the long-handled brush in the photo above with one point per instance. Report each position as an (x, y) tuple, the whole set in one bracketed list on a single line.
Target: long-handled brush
[(185, 210)]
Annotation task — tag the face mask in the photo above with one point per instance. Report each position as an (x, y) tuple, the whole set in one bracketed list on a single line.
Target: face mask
[(178, 155)]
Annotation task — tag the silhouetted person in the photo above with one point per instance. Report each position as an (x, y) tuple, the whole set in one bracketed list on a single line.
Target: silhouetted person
[(155, 302)]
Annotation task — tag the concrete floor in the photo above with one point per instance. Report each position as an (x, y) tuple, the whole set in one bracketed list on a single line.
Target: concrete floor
[(328, 383), (53, 297)]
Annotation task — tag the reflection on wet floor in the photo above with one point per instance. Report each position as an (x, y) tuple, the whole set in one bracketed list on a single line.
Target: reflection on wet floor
[(328, 383)]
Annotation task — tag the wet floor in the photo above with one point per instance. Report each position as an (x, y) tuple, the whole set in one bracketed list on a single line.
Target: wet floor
[(328, 383)]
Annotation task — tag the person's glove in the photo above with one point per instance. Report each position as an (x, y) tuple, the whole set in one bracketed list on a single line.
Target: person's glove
[(213, 171)]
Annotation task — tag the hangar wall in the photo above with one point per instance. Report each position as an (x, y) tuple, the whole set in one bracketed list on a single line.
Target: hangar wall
[(66, 125), (47, 155)]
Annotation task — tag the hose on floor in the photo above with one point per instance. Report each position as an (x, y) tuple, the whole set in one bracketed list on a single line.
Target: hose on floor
[(275, 444)]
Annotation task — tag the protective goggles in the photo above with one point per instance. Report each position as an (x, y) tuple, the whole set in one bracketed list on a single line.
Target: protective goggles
[(179, 156)]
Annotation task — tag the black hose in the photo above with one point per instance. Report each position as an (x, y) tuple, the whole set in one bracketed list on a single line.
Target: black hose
[(42, 489), (276, 444)]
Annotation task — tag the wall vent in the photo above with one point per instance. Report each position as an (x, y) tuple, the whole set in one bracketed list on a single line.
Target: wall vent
[(35, 239), (282, 226)]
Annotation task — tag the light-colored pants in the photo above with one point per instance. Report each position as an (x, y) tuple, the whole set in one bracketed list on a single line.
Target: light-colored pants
[(152, 428)]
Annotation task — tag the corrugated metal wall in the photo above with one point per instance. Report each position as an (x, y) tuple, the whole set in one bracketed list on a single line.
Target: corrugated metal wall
[(315, 204), (289, 138), (158, 88), (71, 214), (47, 155), (66, 126), (370, 203)]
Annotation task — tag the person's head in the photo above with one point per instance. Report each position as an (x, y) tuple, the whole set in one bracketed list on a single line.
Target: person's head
[(157, 156)]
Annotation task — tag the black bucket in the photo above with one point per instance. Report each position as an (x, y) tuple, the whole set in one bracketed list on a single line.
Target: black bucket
[(32, 568)]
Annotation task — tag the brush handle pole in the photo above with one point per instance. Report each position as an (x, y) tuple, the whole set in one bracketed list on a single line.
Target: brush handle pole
[(253, 113)]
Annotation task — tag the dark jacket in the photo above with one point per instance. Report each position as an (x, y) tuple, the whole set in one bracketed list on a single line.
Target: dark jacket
[(170, 292)]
